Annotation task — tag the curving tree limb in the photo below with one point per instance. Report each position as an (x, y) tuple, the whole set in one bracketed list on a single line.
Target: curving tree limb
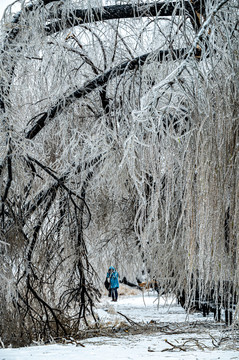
[(101, 80)]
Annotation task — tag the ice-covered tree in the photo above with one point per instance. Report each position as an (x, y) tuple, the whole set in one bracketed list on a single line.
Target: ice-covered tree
[(119, 142)]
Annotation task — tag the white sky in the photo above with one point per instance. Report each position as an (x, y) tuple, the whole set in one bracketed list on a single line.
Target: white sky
[(3, 5)]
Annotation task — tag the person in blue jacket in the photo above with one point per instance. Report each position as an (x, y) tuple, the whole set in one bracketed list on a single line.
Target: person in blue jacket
[(113, 277)]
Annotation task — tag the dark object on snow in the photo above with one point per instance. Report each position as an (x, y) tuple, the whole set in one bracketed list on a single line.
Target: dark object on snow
[(126, 282), (151, 284)]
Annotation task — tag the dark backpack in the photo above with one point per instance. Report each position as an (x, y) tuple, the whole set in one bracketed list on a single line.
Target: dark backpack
[(107, 284)]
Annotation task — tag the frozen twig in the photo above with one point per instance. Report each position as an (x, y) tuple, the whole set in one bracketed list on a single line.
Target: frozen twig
[(132, 322)]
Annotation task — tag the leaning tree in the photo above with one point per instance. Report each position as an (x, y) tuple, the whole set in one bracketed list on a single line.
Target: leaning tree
[(119, 142)]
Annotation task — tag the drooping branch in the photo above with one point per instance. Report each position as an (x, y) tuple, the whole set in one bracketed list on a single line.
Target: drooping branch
[(16, 18), (33, 242), (82, 16), (61, 182), (8, 41), (8, 185), (101, 80), (31, 206), (47, 307), (158, 164)]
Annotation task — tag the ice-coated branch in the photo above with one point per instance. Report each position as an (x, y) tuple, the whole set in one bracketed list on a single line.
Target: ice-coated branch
[(125, 11), (82, 16), (142, 129), (101, 80), (60, 182)]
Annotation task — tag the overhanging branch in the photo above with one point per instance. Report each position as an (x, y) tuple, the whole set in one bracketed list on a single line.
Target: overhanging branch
[(126, 11), (82, 16), (101, 80), (31, 206)]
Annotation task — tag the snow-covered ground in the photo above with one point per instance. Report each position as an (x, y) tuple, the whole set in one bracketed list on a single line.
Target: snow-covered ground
[(182, 336)]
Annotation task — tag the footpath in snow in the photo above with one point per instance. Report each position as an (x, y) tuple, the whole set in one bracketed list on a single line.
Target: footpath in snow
[(182, 336)]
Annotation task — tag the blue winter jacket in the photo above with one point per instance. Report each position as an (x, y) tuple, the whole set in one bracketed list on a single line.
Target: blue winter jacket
[(114, 278)]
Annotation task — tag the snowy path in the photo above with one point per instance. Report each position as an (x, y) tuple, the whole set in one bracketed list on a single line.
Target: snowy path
[(199, 344)]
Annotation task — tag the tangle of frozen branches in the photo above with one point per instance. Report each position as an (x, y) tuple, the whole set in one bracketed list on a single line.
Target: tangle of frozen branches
[(119, 132)]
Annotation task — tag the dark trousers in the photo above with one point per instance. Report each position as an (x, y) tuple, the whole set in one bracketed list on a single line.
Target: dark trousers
[(114, 294)]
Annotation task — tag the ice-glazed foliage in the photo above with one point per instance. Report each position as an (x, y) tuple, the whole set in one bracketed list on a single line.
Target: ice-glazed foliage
[(119, 145)]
